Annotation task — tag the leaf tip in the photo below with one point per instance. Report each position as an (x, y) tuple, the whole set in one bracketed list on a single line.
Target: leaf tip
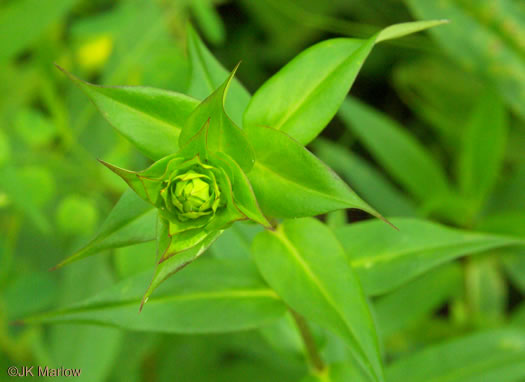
[(144, 299), (381, 217), (390, 224), (123, 173), (72, 77), (59, 67)]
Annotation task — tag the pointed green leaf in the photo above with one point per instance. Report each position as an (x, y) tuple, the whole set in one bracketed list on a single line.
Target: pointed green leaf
[(243, 194), (210, 296), (223, 134), (289, 181), (304, 95), (174, 252), (150, 118), (145, 183), (208, 74), (197, 145), (396, 150), (417, 247), (490, 356), (323, 288), (483, 148), (171, 243), (403, 29), (130, 222)]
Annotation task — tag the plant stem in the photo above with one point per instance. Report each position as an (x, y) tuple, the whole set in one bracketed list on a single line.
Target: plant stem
[(314, 358)]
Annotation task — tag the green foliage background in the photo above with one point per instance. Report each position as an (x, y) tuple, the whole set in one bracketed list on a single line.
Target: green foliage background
[(434, 128)]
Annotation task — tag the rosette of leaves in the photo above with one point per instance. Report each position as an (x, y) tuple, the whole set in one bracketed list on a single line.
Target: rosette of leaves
[(231, 156), (202, 188)]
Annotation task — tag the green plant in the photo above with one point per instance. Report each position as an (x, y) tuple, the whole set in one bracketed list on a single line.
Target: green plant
[(210, 171)]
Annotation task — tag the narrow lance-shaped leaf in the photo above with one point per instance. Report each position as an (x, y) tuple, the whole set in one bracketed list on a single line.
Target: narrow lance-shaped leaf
[(144, 183), (290, 182), (397, 151), (243, 196), (211, 296), (131, 221), (223, 135), (150, 118), (323, 288), (483, 148), (170, 263), (305, 94), (486, 38), (490, 356), (417, 247), (208, 74), (404, 29), (366, 179)]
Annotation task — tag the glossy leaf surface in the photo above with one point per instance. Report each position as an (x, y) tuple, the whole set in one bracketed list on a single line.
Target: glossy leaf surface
[(131, 221), (210, 296), (401, 255), (305, 94), (150, 118), (208, 74), (306, 265), (289, 181)]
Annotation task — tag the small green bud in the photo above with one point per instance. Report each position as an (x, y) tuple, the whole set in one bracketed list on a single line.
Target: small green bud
[(192, 193)]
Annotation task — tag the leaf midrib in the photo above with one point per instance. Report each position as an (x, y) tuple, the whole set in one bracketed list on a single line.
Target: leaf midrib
[(104, 236), (313, 277), (207, 295), (299, 105), (157, 119), (310, 190), (362, 261)]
